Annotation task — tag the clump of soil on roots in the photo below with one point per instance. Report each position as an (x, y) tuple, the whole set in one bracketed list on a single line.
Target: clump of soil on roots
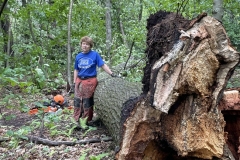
[(163, 32)]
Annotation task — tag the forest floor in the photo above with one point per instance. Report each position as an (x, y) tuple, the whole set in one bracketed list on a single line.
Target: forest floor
[(57, 128), (15, 121)]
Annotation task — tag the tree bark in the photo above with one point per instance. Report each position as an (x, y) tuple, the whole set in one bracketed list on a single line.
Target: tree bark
[(6, 30), (176, 116), (218, 9), (9, 43), (109, 97), (3, 6), (140, 11), (108, 27), (69, 45)]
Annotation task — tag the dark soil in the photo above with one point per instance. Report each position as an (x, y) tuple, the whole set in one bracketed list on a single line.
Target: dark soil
[(163, 32)]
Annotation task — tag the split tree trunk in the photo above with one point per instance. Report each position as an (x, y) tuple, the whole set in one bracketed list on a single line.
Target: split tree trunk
[(176, 116)]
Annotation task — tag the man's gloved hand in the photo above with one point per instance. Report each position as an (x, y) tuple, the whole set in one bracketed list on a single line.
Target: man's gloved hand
[(113, 75), (72, 88)]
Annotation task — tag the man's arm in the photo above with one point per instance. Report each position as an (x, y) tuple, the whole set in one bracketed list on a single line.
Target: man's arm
[(75, 73), (107, 69)]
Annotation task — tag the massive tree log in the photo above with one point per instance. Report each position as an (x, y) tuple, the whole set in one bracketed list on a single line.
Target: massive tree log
[(176, 116), (110, 95)]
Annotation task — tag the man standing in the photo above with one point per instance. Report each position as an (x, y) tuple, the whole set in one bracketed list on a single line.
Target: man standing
[(85, 79)]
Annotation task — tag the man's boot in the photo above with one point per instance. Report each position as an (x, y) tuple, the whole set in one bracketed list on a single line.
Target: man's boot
[(77, 109), (77, 113)]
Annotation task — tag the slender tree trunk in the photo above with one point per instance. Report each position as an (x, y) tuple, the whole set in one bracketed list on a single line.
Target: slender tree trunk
[(9, 44), (123, 32), (32, 34), (218, 9), (140, 11), (3, 6), (5, 27), (108, 27), (26, 35), (69, 44)]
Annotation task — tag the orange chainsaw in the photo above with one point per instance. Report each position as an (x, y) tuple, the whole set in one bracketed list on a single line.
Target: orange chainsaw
[(57, 103)]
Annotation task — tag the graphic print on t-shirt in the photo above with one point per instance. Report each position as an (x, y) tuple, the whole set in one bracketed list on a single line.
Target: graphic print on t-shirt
[(85, 63)]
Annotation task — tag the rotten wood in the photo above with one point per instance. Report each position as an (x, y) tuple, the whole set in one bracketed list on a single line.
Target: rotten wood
[(176, 116)]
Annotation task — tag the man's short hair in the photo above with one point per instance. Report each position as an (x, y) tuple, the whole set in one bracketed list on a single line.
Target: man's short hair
[(87, 40)]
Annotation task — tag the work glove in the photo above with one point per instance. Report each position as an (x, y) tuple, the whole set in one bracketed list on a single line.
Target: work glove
[(113, 75), (72, 89)]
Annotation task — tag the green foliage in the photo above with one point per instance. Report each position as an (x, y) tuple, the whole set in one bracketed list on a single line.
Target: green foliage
[(47, 150), (32, 82), (84, 155), (6, 101), (231, 22), (39, 78), (99, 157), (83, 122), (89, 128), (13, 77), (42, 51), (52, 122), (92, 157), (17, 136), (68, 132), (9, 101), (35, 124)]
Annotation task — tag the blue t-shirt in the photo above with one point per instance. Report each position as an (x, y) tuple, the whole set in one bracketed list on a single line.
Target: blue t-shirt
[(86, 63)]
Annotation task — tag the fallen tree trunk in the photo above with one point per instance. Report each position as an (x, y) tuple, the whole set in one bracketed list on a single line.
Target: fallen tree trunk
[(110, 95), (176, 116)]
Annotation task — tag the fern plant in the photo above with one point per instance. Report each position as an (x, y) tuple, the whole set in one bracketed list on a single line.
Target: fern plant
[(83, 123)]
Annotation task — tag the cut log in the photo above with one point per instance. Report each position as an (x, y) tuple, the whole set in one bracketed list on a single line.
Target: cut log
[(176, 116)]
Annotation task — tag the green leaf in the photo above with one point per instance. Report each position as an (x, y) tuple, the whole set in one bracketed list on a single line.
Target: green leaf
[(10, 133), (83, 156), (10, 117), (83, 122), (99, 157), (23, 137)]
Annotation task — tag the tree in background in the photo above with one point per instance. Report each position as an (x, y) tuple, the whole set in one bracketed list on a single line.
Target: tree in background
[(4, 2), (69, 44), (218, 9), (108, 27), (39, 31), (6, 32)]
